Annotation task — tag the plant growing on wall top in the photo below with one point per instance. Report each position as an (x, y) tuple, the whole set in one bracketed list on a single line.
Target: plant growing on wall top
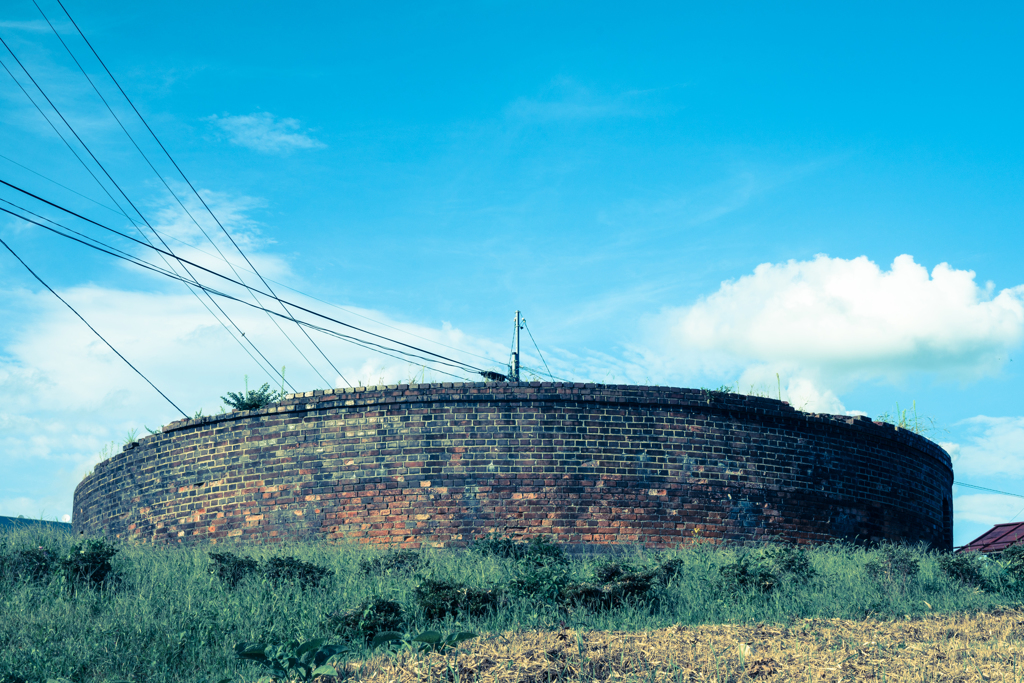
[(910, 420), (252, 399)]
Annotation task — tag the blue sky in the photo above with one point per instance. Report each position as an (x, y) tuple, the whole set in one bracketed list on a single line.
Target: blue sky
[(693, 196)]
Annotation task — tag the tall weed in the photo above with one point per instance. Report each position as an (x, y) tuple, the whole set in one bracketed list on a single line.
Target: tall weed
[(175, 617)]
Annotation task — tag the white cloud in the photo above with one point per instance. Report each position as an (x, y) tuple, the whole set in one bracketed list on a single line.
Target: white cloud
[(67, 401), (34, 26), (986, 509), (825, 323), (994, 447), (187, 239), (265, 133), (64, 396), (952, 448), (801, 391), (565, 99)]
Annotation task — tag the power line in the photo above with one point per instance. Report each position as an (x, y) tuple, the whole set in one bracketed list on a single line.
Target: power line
[(229, 279), (220, 255), (203, 201), (117, 253), (168, 187), (390, 327), (104, 247), (1015, 516), (1004, 493), (193, 281), (51, 180), (437, 358), (112, 251), (537, 372), (64, 227), (73, 132), (15, 255), (538, 350), (61, 136), (118, 187), (982, 488)]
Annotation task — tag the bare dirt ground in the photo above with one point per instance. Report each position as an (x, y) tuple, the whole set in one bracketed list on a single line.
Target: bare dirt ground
[(958, 648)]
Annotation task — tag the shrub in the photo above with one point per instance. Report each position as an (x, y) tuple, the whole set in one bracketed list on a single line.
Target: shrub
[(252, 399), (399, 561), (790, 561), (614, 583), (966, 569), (438, 599), (280, 570), (539, 549), (546, 582), (498, 546), (633, 584), (1012, 560), (892, 565), (34, 564), (367, 619), (749, 572), (231, 569), (293, 661), (671, 567), (766, 568), (88, 563)]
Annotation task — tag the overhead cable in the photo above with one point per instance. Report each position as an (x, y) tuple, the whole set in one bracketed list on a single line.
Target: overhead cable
[(199, 196), (167, 249), (137, 211), (229, 279), (537, 372), (221, 255), (538, 350), (92, 243), (436, 358), (165, 184), (982, 488), (51, 180), (137, 371), (119, 253), (172, 238), (61, 136), (1004, 493), (119, 209)]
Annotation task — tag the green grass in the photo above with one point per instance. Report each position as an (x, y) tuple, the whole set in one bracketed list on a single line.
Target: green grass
[(162, 616)]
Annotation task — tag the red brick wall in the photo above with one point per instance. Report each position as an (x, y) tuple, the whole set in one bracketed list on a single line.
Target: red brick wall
[(441, 464)]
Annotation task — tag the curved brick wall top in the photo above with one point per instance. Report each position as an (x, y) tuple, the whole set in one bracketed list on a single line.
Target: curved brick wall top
[(441, 464)]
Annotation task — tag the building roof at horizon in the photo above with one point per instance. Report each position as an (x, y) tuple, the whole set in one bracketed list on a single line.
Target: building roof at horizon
[(13, 522), (997, 539)]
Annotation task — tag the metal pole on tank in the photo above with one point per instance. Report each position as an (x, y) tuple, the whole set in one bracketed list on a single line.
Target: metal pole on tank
[(514, 375)]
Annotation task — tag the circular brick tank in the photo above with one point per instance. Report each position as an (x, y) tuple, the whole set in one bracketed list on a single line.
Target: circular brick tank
[(590, 464)]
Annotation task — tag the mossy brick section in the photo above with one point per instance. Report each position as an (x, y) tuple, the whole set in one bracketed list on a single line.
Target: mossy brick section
[(443, 464)]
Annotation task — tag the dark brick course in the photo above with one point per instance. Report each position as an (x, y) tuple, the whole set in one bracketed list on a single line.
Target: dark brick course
[(442, 464)]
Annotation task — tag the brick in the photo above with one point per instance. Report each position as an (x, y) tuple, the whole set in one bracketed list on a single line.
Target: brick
[(441, 464)]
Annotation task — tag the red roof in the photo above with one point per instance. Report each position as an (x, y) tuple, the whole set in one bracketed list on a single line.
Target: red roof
[(997, 539)]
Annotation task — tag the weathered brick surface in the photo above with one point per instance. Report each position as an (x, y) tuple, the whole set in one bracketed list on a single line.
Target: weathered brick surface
[(441, 464)]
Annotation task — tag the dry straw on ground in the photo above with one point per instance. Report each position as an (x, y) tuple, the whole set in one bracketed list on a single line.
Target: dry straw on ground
[(957, 648)]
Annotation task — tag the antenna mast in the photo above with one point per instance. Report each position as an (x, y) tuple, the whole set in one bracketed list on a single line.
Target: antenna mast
[(514, 372)]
